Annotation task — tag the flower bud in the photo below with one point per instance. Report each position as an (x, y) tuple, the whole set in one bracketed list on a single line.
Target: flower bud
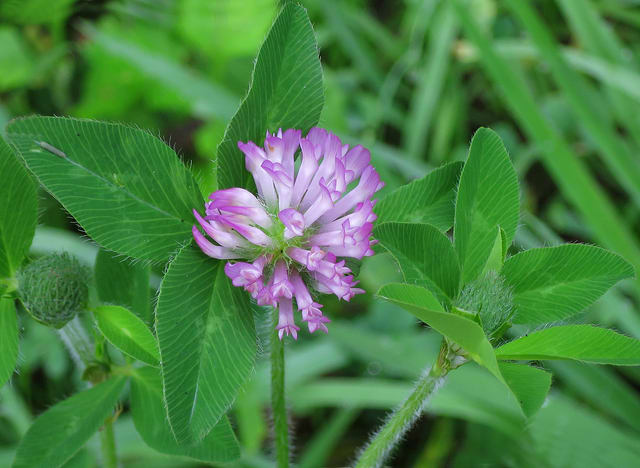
[(490, 298), (54, 288)]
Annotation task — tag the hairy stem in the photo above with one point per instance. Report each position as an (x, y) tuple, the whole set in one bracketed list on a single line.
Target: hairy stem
[(76, 339), (384, 441), (108, 445), (278, 404)]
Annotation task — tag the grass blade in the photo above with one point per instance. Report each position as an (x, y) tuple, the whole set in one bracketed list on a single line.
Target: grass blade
[(431, 79), (572, 177), (580, 97)]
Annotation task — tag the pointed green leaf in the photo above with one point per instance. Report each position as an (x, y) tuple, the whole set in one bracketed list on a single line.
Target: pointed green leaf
[(18, 212), (127, 333), (578, 342), (8, 339), (462, 331), (285, 92), (498, 251), (125, 187), (427, 200), (207, 343), (122, 282), (529, 384), (149, 417), (63, 429), (425, 256), (554, 283), (488, 196)]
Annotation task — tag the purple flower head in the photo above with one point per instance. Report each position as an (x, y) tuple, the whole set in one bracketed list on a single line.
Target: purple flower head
[(289, 242)]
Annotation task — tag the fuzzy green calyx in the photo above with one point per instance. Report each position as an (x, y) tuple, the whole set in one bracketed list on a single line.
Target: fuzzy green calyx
[(54, 288), (491, 299)]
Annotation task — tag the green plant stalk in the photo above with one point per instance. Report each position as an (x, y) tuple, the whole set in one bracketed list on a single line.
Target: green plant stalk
[(77, 341), (403, 418), (108, 445), (278, 404)]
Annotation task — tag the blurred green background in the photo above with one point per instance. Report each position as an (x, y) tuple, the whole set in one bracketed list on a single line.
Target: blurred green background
[(411, 80)]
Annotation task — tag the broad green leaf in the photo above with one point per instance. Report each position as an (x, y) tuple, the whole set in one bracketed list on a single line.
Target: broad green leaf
[(426, 200), (554, 283), (18, 212), (123, 282), (207, 343), (149, 417), (529, 384), (460, 330), (285, 92), (127, 189), (578, 342), (425, 256), (127, 333), (488, 196), (8, 339), (63, 429)]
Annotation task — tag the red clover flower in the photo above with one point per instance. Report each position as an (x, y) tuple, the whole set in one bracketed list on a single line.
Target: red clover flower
[(304, 219)]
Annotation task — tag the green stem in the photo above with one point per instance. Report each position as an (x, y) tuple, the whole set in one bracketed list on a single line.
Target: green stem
[(278, 404), (108, 445), (375, 453), (76, 339)]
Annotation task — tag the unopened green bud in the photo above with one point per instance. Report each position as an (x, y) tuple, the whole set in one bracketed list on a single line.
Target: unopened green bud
[(490, 298), (54, 288), (96, 372)]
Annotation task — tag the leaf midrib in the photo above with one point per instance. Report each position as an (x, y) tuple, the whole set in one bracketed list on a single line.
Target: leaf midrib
[(120, 188), (556, 357), (549, 287)]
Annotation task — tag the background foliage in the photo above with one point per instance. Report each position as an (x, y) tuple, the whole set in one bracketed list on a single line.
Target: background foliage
[(412, 80)]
